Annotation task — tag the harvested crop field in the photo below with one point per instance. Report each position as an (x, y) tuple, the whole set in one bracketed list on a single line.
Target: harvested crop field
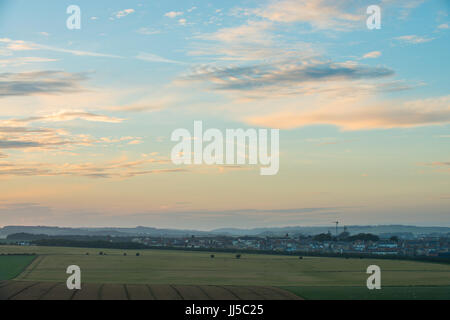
[(198, 268), (23, 290), (177, 275)]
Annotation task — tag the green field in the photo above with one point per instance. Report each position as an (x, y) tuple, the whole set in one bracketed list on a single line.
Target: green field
[(312, 277), (12, 266)]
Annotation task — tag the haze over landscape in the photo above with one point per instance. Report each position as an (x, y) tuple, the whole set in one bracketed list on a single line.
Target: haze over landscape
[(86, 115), (386, 231)]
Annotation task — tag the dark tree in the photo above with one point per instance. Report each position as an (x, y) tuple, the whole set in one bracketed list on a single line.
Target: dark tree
[(323, 237)]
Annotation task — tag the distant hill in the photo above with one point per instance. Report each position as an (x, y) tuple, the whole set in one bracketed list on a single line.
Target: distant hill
[(382, 230), (114, 232), (378, 230)]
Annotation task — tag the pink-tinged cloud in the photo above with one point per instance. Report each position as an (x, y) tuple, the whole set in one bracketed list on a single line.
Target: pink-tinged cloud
[(320, 14), (348, 116)]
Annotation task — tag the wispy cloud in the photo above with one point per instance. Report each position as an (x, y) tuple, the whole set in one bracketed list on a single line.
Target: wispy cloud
[(319, 14), (248, 42), (63, 116), (173, 14), (18, 144), (151, 107), (121, 169), (285, 74), (39, 138), (20, 61), (20, 45), (372, 55), (40, 82), (19, 134), (124, 13), (78, 52), (438, 166), (358, 115), (150, 57), (147, 31), (413, 39)]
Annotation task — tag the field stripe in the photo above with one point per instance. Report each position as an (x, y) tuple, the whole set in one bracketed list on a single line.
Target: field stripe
[(74, 292), (127, 294), (288, 295), (269, 293), (5, 290), (28, 286), (202, 289), (245, 293), (178, 292), (113, 292), (49, 289), (151, 292), (100, 292), (4, 284), (191, 293), (58, 292), (165, 292), (139, 292), (231, 291), (31, 267), (221, 293), (22, 290), (88, 292), (34, 292)]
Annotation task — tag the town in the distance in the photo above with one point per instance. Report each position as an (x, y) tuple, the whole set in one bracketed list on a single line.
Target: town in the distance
[(411, 242)]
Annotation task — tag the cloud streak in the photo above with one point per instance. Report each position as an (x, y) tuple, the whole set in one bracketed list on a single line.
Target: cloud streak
[(40, 82), (124, 13), (20, 61), (21, 45), (319, 14), (173, 14), (64, 116), (413, 39), (280, 75), (355, 116), (150, 57), (107, 170)]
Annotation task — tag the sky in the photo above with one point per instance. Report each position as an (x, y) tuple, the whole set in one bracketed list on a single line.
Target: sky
[(86, 115)]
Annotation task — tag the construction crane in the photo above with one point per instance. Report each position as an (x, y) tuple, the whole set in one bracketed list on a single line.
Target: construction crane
[(337, 223)]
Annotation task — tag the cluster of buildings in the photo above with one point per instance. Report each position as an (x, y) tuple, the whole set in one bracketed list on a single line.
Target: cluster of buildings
[(437, 246)]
